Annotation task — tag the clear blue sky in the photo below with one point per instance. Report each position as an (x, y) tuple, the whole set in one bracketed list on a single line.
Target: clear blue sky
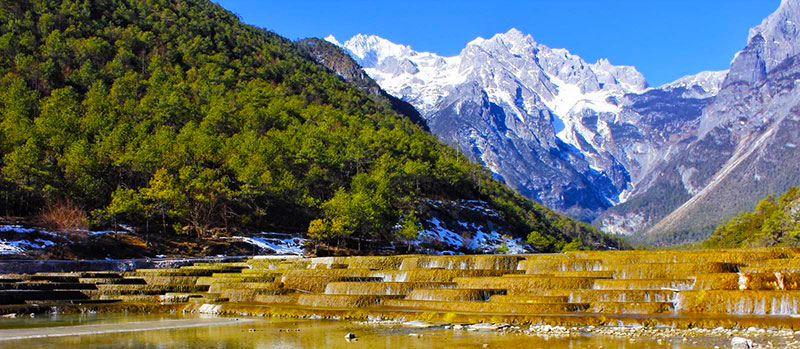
[(664, 39)]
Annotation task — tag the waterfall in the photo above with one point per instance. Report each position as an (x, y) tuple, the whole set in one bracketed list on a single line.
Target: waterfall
[(742, 281), (779, 278)]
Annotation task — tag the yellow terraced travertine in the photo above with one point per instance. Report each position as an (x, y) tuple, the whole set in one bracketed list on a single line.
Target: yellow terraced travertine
[(454, 294), (381, 288), (487, 262), (526, 284), (340, 301), (581, 285), (739, 302), (643, 284)]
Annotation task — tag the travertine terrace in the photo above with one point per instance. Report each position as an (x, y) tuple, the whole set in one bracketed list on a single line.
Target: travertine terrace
[(729, 288)]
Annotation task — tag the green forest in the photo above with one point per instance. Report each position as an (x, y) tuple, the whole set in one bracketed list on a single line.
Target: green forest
[(774, 222), (174, 117)]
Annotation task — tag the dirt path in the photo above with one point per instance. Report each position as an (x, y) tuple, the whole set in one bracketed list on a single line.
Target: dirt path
[(81, 330)]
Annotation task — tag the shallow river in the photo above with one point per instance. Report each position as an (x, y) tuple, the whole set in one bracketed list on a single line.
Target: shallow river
[(135, 331)]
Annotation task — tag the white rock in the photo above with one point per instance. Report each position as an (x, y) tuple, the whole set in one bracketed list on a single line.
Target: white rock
[(741, 343)]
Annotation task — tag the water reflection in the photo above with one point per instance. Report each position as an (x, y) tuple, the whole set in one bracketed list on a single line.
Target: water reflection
[(319, 334)]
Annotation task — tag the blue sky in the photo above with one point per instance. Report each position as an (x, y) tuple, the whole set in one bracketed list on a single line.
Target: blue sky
[(664, 39)]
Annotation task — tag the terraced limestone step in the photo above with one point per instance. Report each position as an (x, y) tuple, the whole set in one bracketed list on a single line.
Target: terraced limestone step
[(524, 284), (634, 296), (739, 302), (21, 296), (249, 295), (436, 275), (547, 265), (667, 270), (220, 287), (454, 294), (634, 308), (341, 301), (285, 299), (488, 307), (381, 288), (479, 262), (118, 280), (643, 284), (232, 278), (736, 256), (782, 265), (748, 281), (318, 284), (528, 299), (148, 289), (46, 286)]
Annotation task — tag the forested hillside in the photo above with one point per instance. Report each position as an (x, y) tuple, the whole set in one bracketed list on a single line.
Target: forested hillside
[(173, 116), (774, 222)]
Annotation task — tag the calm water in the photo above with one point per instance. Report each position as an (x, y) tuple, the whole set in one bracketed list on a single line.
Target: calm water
[(297, 334)]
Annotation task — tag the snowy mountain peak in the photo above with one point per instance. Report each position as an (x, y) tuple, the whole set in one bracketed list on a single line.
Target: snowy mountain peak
[(332, 39), (709, 82), (513, 41), (371, 50)]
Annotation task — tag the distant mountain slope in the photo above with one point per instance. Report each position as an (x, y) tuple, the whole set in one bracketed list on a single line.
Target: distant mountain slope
[(746, 144), (176, 117)]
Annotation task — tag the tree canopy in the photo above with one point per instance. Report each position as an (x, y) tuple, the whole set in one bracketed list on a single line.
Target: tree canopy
[(773, 222)]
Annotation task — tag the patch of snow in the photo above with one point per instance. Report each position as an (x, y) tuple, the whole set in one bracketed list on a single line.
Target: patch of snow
[(21, 246), (480, 241), (280, 243), (439, 233), (332, 39), (16, 228)]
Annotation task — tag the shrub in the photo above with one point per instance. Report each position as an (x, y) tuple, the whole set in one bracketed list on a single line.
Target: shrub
[(64, 217)]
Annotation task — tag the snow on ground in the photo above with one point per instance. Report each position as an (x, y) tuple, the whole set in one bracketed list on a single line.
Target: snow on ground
[(282, 244), (15, 228), (480, 241), (124, 229), (20, 246)]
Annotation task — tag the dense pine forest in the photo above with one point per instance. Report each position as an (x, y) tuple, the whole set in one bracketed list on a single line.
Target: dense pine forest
[(174, 117), (773, 222)]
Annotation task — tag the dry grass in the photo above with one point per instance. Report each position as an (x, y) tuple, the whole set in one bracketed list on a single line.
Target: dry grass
[(65, 217)]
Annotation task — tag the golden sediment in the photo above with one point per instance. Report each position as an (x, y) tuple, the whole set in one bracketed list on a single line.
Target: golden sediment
[(341, 300), (502, 298), (454, 294), (643, 284), (488, 307), (635, 308), (382, 288), (728, 288)]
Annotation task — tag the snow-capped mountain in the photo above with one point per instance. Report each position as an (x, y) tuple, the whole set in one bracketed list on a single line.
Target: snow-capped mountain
[(574, 135)]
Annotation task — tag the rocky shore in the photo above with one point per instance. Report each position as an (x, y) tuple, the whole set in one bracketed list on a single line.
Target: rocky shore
[(749, 338)]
